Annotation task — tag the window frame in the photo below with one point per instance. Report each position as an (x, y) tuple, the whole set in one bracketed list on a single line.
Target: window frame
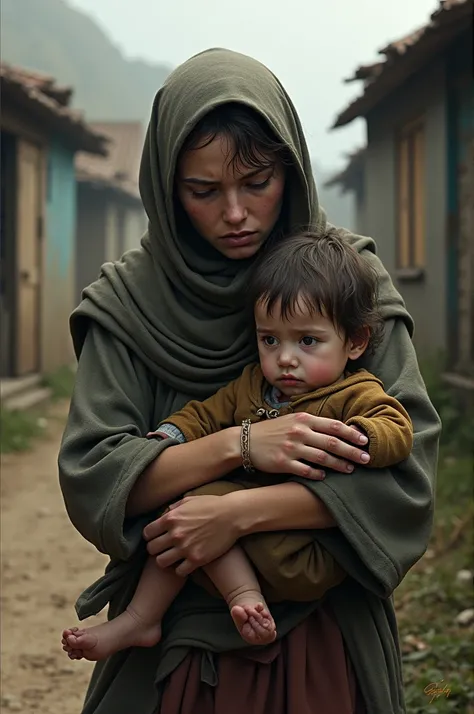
[(411, 198)]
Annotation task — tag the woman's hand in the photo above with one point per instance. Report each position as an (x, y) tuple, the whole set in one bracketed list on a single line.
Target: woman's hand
[(196, 531), (281, 445)]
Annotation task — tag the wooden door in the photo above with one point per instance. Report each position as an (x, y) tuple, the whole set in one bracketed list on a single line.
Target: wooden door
[(28, 258)]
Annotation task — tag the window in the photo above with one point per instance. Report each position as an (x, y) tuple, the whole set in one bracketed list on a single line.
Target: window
[(411, 196)]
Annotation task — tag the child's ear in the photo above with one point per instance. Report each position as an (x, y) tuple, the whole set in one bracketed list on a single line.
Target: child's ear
[(358, 343)]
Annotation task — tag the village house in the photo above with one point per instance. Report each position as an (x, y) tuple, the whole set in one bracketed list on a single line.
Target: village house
[(414, 181), (352, 180), (110, 216), (40, 135)]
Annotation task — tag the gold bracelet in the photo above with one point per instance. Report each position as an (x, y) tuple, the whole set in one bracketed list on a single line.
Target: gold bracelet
[(245, 446)]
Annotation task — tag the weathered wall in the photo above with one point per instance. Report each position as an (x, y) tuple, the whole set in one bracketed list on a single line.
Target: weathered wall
[(125, 225), (460, 243), (108, 224), (8, 201), (423, 95), (135, 225), (361, 222), (90, 236), (57, 294), (112, 235), (360, 202)]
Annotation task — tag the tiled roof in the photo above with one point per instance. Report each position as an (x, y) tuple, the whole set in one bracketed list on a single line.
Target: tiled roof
[(407, 55), (366, 72), (119, 170), (45, 83), (43, 99)]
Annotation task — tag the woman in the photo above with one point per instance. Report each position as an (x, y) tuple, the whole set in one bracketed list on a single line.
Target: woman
[(225, 170)]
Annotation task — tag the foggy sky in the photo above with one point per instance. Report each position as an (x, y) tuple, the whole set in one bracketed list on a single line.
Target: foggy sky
[(311, 45)]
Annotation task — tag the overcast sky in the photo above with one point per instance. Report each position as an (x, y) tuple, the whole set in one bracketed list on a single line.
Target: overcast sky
[(311, 45)]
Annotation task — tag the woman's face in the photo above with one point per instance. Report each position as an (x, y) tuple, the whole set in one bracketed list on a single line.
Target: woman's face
[(233, 206)]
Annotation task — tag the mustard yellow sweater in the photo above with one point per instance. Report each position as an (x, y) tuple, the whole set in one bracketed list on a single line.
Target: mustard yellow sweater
[(358, 399)]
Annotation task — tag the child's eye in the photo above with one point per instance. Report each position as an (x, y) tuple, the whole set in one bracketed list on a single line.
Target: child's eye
[(309, 341), (269, 340)]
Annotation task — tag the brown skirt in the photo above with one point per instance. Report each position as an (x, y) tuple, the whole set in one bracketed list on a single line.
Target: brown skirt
[(305, 673)]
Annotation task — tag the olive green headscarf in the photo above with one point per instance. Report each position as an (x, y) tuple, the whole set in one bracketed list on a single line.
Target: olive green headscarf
[(175, 302)]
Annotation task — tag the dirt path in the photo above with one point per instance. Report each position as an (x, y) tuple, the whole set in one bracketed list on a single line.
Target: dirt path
[(45, 565)]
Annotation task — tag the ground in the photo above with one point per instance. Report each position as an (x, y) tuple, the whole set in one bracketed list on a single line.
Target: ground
[(46, 564)]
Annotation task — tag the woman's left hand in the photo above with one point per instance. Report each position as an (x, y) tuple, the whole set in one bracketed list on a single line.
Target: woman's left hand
[(194, 532)]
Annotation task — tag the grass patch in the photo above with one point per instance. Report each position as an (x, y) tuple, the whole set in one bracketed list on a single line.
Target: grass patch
[(455, 410), (18, 429), (61, 383), (435, 647)]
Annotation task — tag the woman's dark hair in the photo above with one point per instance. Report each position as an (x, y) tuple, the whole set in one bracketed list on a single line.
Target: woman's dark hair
[(328, 275), (254, 144)]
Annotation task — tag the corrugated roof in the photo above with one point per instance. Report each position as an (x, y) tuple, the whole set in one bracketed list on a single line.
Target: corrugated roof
[(120, 169), (45, 100), (407, 55)]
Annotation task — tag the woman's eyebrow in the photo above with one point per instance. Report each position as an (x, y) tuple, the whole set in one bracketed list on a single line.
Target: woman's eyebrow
[(209, 182)]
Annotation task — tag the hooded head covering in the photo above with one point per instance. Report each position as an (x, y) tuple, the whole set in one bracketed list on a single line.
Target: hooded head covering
[(207, 81), (177, 304)]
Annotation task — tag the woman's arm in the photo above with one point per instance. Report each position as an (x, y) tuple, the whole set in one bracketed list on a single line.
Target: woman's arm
[(283, 507), (199, 529), (276, 446), (104, 449), (183, 467)]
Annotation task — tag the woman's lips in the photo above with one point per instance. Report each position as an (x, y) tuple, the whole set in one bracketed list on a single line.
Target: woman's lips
[(238, 239)]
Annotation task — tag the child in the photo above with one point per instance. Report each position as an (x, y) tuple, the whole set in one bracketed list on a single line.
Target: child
[(316, 313)]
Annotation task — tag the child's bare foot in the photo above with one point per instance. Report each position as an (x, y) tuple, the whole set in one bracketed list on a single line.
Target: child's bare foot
[(252, 618), (96, 643)]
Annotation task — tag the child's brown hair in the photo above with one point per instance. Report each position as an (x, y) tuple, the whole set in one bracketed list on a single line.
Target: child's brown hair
[(328, 275)]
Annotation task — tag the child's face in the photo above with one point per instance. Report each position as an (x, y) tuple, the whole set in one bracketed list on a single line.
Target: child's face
[(303, 353)]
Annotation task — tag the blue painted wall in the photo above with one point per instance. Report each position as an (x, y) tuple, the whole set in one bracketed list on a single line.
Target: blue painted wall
[(58, 255), (61, 207)]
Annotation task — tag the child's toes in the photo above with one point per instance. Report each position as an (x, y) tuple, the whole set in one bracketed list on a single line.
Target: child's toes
[(75, 654)]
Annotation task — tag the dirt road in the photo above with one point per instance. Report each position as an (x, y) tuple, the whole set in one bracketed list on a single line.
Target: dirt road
[(45, 565)]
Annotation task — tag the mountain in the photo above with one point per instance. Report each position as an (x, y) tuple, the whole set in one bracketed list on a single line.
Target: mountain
[(52, 37)]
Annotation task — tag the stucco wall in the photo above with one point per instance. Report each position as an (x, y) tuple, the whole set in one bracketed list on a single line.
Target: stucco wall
[(90, 241), (108, 225), (57, 291), (112, 237), (135, 224), (425, 95)]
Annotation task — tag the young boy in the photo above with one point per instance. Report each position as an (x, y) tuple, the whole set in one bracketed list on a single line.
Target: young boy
[(316, 313)]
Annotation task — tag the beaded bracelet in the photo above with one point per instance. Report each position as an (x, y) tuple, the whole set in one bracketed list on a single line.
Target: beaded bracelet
[(245, 446)]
